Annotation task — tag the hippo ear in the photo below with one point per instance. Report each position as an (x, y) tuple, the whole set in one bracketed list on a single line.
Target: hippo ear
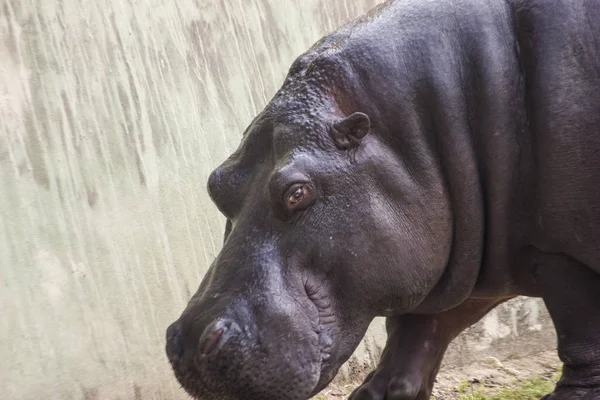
[(349, 131)]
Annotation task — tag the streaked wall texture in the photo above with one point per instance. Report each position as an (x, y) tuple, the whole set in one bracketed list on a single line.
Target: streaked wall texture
[(112, 115)]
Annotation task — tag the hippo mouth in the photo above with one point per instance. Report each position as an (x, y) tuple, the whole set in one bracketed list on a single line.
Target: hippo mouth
[(325, 326)]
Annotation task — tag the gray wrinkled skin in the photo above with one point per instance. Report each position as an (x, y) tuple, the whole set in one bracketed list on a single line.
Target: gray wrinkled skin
[(426, 163)]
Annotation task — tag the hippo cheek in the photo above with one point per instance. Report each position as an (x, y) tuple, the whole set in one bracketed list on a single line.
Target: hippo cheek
[(267, 353)]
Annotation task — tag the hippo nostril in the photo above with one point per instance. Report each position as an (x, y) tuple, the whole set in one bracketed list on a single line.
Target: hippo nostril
[(211, 341), (215, 335), (174, 341)]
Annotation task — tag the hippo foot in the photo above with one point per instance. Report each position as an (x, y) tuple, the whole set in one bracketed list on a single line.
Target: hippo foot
[(574, 394), (379, 386)]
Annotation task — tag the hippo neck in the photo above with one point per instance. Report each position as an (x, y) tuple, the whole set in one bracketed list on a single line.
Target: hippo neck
[(455, 96)]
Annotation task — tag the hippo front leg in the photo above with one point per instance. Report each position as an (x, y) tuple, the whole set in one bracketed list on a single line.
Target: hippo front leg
[(415, 347), (571, 292)]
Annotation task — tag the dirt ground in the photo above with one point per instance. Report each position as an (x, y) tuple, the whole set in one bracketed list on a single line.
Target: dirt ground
[(489, 373)]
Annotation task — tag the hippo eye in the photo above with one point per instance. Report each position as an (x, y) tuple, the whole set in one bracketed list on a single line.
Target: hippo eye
[(297, 196)]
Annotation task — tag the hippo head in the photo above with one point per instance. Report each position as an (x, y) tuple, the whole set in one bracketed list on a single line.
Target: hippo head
[(327, 227)]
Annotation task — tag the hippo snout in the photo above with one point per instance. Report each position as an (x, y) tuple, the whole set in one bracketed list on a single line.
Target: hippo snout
[(240, 354)]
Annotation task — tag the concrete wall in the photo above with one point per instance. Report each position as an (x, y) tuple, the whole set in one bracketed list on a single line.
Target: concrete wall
[(112, 115)]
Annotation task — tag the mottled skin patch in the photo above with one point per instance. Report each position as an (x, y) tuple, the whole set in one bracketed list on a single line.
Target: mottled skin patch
[(424, 163)]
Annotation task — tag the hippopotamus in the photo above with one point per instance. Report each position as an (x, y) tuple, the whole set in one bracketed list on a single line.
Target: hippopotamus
[(424, 163)]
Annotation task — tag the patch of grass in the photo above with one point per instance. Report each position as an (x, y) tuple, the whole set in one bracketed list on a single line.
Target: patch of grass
[(531, 389)]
